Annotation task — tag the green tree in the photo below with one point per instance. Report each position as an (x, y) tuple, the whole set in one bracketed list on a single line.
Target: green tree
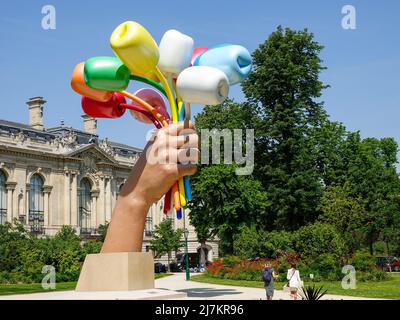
[(228, 115), (372, 177), (284, 89), (223, 202), (249, 243), (166, 239), (12, 236), (65, 253), (252, 242), (346, 213), (334, 148), (102, 230)]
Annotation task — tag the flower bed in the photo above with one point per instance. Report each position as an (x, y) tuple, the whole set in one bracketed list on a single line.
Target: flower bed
[(323, 268)]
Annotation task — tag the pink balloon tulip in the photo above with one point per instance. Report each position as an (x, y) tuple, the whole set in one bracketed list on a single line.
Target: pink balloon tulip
[(196, 52), (152, 97)]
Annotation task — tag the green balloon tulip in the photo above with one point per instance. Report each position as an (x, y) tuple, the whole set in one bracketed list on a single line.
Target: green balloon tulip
[(106, 73)]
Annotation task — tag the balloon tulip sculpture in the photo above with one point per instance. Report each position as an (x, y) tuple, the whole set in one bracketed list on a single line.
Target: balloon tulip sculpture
[(175, 70)]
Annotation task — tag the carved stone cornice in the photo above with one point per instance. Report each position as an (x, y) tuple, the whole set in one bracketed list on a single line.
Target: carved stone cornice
[(10, 185), (47, 188), (35, 154), (19, 137), (106, 147), (95, 193)]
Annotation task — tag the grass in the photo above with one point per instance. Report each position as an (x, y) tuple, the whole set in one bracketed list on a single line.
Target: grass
[(23, 288), (162, 275), (388, 289)]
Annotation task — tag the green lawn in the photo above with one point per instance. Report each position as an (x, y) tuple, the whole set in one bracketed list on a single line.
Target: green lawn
[(162, 275), (389, 289), (33, 287), (6, 289)]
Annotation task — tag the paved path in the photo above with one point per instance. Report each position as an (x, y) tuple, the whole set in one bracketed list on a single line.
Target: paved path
[(174, 287), (206, 291)]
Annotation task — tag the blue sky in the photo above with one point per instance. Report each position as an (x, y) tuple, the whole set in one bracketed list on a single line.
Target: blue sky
[(363, 64)]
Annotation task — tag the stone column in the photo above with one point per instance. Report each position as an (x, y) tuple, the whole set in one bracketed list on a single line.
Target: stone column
[(28, 187), (10, 186), (20, 202), (114, 191), (15, 203), (93, 217), (74, 200), (67, 200), (108, 200), (101, 202), (46, 209)]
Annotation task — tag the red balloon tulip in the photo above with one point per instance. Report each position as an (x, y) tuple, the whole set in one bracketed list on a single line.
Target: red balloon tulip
[(109, 109), (152, 97), (196, 52)]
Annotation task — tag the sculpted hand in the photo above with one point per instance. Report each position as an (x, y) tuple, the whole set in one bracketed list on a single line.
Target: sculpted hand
[(172, 153)]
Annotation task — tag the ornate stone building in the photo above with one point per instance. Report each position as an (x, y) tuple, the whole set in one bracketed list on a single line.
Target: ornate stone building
[(64, 176)]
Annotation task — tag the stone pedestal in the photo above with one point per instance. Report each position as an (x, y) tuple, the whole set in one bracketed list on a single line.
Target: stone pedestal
[(120, 271)]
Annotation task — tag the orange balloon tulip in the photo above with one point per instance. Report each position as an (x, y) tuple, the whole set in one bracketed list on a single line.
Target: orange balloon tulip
[(79, 85)]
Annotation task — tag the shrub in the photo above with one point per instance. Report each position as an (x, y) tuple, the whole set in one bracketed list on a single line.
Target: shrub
[(315, 239), (251, 243), (276, 243), (69, 267), (22, 256), (327, 266), (92, 246), (248, 243), (281, 268), (363, 261), (230, 261), (381, 275)]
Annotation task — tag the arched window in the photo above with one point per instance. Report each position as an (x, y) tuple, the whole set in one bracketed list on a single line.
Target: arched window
[(84, 206), (3, 198), (36, 203)]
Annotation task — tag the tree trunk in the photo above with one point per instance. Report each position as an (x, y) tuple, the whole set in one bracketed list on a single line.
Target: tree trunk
[(203, 258), (387, 248), (371, 247), (168, 266)]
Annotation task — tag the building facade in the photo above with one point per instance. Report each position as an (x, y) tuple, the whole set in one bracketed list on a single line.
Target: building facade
[(50, 177)]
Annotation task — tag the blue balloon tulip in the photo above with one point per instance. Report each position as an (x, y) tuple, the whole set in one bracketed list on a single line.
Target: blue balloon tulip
[(233, 60)]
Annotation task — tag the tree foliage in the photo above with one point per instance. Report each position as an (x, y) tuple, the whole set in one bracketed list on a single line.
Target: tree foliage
[(166, 239), (22, 256), (284, 89), (223, 202), (318, 238), (310, 172)]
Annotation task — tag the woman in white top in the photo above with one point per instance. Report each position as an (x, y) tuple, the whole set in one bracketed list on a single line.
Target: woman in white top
[(293, 276)]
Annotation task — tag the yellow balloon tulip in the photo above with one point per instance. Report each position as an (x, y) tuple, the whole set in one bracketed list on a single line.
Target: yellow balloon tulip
[(135, 46)]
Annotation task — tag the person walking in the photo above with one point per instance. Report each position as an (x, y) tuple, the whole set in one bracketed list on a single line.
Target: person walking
[(294, 281), (268, 275)]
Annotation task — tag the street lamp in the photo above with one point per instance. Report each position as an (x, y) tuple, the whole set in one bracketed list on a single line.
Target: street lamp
[(186, 234)]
